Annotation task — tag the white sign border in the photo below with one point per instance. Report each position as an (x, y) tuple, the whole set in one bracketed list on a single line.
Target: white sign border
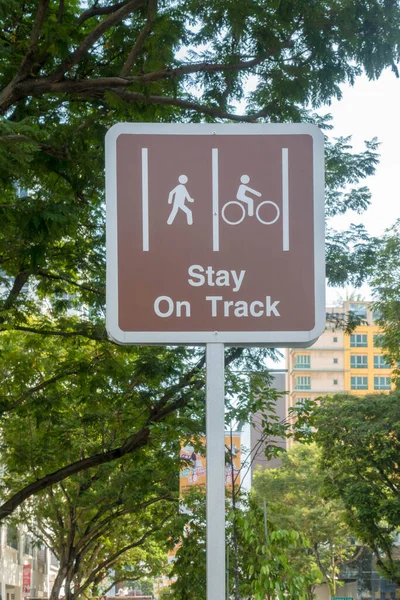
[(230, 338)]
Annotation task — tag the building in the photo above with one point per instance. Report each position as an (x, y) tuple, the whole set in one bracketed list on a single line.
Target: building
[(339, 362), (258, 458), (27, 567)]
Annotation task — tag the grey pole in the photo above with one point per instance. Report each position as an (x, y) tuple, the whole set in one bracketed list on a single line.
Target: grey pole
[(215, 370), (265, 521)]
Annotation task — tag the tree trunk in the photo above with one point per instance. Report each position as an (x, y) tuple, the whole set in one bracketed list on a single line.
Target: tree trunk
[(55, 592), (68, 584)]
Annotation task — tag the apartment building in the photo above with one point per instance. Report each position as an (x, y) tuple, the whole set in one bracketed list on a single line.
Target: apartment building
[(340, 362)]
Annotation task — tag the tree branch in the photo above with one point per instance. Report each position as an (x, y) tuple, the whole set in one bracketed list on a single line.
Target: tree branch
[(86, 541), (60, 14), (137, 47), (188, 105), (109, 561), (20, 280), (55, 152), (204, 67), (60, 333), (31, 52), (37, 388), (97, 86), (97, 11), (56, 510), (87, 288), (131, 444), (94, 35), (7, 94)]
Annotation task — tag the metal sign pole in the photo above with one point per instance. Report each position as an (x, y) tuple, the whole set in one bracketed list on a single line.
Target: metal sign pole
[(215, 371)]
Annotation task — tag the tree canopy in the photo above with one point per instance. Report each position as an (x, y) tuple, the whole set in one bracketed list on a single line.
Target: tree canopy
[(264, 569), (385, 283), (359, 440), (294, 500), (70, 70)]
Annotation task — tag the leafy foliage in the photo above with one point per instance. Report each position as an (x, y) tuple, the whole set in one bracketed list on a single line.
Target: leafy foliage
[(106, 523), (386, 290), (293, 493), (359, 441), (265, 569), (69, 72)]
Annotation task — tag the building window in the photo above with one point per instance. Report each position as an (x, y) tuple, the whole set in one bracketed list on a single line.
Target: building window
[(358, 340), (41, 553), (378, 340), (359, 361), (303, 361), (335, 382), (335, 339), (360, 310), (380, 362), (381, 383), (12, 537), (28, 545), (376, 315), (302, 401), (359, 383), (335, 361), (303, 383)]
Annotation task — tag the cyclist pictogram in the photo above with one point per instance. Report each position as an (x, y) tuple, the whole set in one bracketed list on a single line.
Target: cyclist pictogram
[(244, 195)]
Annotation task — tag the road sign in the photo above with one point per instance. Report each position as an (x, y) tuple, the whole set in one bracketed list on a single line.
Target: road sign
[(215, 233)]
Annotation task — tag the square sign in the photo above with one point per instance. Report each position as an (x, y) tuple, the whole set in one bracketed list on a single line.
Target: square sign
[(215, 233)]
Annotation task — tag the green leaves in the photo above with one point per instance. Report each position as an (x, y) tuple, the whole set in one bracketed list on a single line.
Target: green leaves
[(265, 565), (68, 73), (359, 439), (295, 503), (386, 290)]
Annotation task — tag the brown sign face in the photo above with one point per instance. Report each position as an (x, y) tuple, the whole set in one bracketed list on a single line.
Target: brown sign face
[(214, 234)]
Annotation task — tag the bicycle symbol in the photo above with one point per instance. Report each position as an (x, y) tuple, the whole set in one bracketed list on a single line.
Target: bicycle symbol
[(242, 196)]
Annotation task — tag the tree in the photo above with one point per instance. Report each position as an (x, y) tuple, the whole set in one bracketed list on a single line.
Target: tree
[(265, 569), (105, 521), (359, 442), (70, 71), (294, 500), (385, 283)]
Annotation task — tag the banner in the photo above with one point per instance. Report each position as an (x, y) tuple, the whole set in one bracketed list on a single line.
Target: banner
[(26, 580), (195, 472)]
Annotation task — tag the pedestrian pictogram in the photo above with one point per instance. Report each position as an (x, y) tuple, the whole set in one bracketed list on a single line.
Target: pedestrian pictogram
[(215, 233), (177, 197)]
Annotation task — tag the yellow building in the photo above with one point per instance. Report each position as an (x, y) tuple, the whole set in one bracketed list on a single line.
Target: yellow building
[(366, 371), (339, 362)]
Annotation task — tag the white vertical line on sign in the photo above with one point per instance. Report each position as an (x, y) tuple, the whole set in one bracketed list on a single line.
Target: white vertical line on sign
[(215, 200), (285, 199), (145, 199), (215, 432)]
